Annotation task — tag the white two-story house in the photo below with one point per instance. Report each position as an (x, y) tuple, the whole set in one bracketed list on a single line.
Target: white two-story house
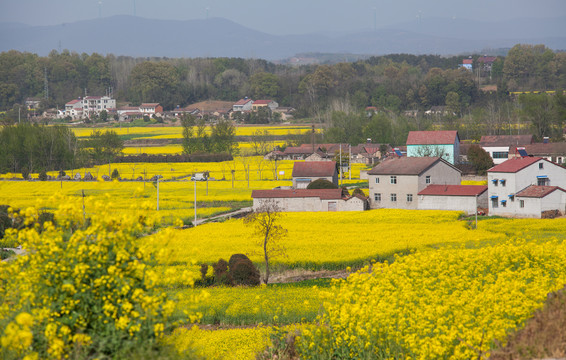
[(526, 187), (395, 183)]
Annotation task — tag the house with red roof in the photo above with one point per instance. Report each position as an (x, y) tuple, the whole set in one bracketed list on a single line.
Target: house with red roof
[(305, 172), (499, 146), (244, 104), (444, 144), (396, 181), (270, 104), (151, 109), (310, 200), (513, 184), (467, 198), (74, 109)]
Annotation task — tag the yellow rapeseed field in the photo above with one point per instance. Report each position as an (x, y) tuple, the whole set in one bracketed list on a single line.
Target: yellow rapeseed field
[(448, 303)]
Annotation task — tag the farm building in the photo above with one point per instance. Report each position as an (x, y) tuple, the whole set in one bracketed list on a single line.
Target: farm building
[(395, 183), (309, 200), (467, 198), (445, 144), (305, 172)]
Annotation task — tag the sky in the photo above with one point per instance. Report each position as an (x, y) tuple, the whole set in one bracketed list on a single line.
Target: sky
[(281, 17)]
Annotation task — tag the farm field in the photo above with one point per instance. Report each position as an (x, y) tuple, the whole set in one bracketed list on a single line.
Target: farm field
[(443, 288), (454, 289), (176, 132)]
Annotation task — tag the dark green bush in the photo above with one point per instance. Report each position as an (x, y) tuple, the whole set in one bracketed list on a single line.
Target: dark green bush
[(322, 184), (221, 274), (25, 173), (234, 259), (43, 175), (115, 174), (245, 273)]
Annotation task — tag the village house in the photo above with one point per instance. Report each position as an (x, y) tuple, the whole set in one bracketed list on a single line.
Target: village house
[(467, 198), (32, 103), (309, 200), (74, 109), (551, 151), (445, 144), (306, 172), (526, 187), (270, 104), (396, 182), (94, 105), (499, 146), (150, 109), (244, 104)]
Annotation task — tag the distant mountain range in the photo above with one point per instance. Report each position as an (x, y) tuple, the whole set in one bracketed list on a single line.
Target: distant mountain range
[(217, 37)]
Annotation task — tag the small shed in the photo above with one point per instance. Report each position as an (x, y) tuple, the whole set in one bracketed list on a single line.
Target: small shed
[(467, 198), (536, 200)]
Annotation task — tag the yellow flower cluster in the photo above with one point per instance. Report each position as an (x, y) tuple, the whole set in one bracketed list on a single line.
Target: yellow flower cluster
[(85, 285), (449, 303), (331, 240), (234, 344)]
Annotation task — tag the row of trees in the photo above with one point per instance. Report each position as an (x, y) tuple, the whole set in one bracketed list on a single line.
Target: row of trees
[(196, 139), (32, 148), (396, 82)]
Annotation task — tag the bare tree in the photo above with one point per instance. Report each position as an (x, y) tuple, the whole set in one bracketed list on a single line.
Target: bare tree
[(270, 234)]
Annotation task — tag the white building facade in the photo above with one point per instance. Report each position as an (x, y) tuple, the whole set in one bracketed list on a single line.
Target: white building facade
[(507, 180)]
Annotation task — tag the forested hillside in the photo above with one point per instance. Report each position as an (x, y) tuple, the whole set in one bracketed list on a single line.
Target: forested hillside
[(392, 83)]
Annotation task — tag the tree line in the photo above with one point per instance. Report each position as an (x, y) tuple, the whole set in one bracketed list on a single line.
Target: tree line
[(30, 148), (396, 82)]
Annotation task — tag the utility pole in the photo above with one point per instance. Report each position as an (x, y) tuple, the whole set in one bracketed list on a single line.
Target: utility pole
[(195, 223), (350, 161), (157, 192), (340, 165)]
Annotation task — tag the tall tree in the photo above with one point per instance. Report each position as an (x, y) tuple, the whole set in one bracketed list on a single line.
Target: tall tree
[(265, 221)]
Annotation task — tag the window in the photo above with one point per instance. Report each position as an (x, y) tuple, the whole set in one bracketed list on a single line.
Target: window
[(409, 197), (393, 180), (504, 203), (393, 197), (494, 203), (540, 165), (500, 154), (522, 203), (495, 182), (427, 179), (377, 197), (502, 181), (377, 180), (542, 181)]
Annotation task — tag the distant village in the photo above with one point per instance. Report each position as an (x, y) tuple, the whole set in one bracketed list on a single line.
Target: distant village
[(527, 180)]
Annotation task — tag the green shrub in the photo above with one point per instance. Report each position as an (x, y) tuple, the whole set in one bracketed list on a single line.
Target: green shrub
[(115, 174), (221, 274), (43, 175), (322, 184), (25, 173), (245, 273)]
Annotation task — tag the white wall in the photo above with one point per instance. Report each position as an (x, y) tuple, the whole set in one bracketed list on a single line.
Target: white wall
[(459, 203)]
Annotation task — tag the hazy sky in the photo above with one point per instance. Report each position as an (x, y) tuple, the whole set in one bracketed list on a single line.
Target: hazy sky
[(281, 16)]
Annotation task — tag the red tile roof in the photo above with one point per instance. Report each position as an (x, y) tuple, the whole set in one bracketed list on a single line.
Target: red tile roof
[(432, 137), (536, 191), (539, 149), (149, 105), (506, 140), (514, 165), (454, 190), (314, 168), (487, 59), (406, 165), (467, 61), (73, 102), (325, 194), (243, 101), (299, 150), (262, 102)]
